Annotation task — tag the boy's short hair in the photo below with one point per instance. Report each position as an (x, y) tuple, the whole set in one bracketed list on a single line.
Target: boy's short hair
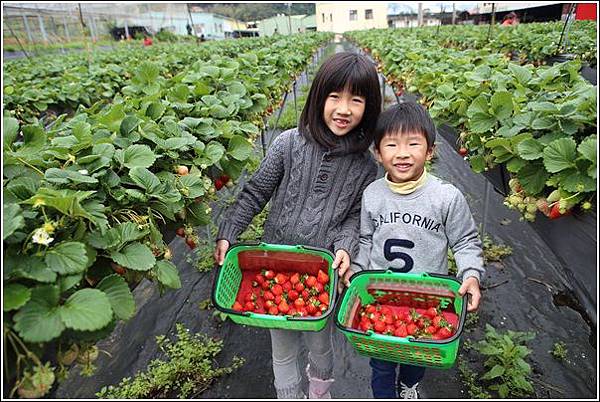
[(402, 118)]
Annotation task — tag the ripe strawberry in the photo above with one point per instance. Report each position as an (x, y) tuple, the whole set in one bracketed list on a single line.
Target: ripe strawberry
[(389, 330), (293, 295), (270, 303), (444, 332), (305, 294), (224, 178), (250, 297), (260, 279), (219, 184), (310, 281), (294, 279), (379, 326), (411, 328), (268, 295), (287, 286), (463, 151), (299, 287), (311, 307), (249, 306), (273, 310), (277, 290), (117, 268), (431, 312), (283, 307), (269, 274), (319, 287), (281, 278), (324, 298), (237, 306), (365, 326), (190, 242), (431, 329), (401, 331), (370, 308), (439, 321), (299, 303), (180, 232), (322, 277), (555, 212)]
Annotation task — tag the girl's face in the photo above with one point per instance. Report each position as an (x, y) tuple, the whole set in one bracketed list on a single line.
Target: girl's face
[(403, 155), (343, 112)]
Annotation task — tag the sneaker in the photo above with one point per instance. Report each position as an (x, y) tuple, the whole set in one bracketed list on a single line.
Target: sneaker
[(408, 392)]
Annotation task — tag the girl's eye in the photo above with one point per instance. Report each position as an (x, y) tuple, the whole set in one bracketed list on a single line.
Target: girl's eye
[(391, 145), (357, 100), (334, 96)]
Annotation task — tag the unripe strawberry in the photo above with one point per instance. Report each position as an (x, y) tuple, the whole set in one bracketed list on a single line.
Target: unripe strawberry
[(182, 170)]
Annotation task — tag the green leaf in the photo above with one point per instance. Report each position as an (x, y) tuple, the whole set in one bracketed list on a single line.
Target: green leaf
[(502, 105), (61, 176), (166, 273), (29, 267), (135, 256), (239, 148), (193, 184), (39, 320), (155, 110), (145, 179), (560, 154), (477, 163), (113, 117), (522, 74), (68, 281), (67, 258), (481, 123), (214, 151), (543, 123), (86, 310), (495, 372), (533, 177), (15, 296), (587, 148), (119, 296), (129, 124), (129, 231), (530, 149), (236, 88), (197, 214), (138, 156), (515, 164), (579, 182), (12, 219), (10, 130), (503, 390)]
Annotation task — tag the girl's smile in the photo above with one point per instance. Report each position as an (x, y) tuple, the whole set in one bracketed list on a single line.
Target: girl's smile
[(343, 112)]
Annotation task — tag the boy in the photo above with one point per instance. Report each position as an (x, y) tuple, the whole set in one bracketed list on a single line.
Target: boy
[(409, 218)]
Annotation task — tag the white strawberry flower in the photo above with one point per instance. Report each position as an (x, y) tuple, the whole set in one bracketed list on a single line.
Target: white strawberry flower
[(83, 171), (40, 236)]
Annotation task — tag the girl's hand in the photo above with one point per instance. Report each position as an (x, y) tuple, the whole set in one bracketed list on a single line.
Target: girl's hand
[(471, 286), (342, 264), (220, 250)]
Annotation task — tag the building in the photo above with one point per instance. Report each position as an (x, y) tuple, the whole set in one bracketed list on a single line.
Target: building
[(285, 25), (541, 11), (341, 17)]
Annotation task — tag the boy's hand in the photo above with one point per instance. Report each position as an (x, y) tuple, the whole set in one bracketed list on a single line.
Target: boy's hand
[(471, 286), (220, 250), (342, 264)]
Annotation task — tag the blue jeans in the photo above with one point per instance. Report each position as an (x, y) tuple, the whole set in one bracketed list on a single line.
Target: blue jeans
[(384, 382)]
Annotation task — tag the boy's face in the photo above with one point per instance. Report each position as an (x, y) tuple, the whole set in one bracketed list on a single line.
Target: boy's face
[(403, 155), (343, 112)]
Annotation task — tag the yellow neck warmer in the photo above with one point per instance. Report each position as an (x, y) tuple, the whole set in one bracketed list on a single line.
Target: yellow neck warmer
[(408, 186)]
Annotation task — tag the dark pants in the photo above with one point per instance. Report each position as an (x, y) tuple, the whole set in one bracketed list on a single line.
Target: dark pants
[(384, 382)]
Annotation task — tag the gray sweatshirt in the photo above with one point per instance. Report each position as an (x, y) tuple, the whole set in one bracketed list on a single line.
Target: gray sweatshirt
[(412, 233), (315, 195)]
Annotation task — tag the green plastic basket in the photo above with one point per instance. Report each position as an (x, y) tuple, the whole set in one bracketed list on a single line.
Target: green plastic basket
[(422, 291), (246, 256)]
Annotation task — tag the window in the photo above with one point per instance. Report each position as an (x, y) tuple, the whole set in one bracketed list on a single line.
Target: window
[(369, 14), (353, 15), (330, 17), (323, 15)]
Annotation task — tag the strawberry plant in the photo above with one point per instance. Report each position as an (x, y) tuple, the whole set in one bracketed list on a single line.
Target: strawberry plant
[(539, 122), (506, 368), (87, 199)]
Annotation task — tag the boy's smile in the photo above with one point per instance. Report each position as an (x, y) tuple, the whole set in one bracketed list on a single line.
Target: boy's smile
[(343, 112), (403, 155)]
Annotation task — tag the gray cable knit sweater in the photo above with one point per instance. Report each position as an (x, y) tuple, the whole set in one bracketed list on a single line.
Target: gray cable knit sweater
[(315, 195)]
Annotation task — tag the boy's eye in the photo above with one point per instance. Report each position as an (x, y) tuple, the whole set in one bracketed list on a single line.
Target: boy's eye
[(335, 96), (358, 100)]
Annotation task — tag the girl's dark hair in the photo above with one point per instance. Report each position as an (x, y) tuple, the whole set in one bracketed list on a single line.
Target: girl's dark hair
[(403, 118), (342, 70)]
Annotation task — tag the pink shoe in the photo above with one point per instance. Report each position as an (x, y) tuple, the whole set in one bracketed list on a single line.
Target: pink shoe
[(317, 388)]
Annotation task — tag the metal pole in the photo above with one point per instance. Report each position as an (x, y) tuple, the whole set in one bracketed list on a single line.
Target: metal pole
[(66, 29), (453, 13), (17, 39), (571, 8), (295, 104), (492, 21), (191, 20), (42, 29), (27, 29), (485, 208)]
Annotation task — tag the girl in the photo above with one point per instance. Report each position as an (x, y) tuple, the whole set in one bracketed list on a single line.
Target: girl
[(314, 176)]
